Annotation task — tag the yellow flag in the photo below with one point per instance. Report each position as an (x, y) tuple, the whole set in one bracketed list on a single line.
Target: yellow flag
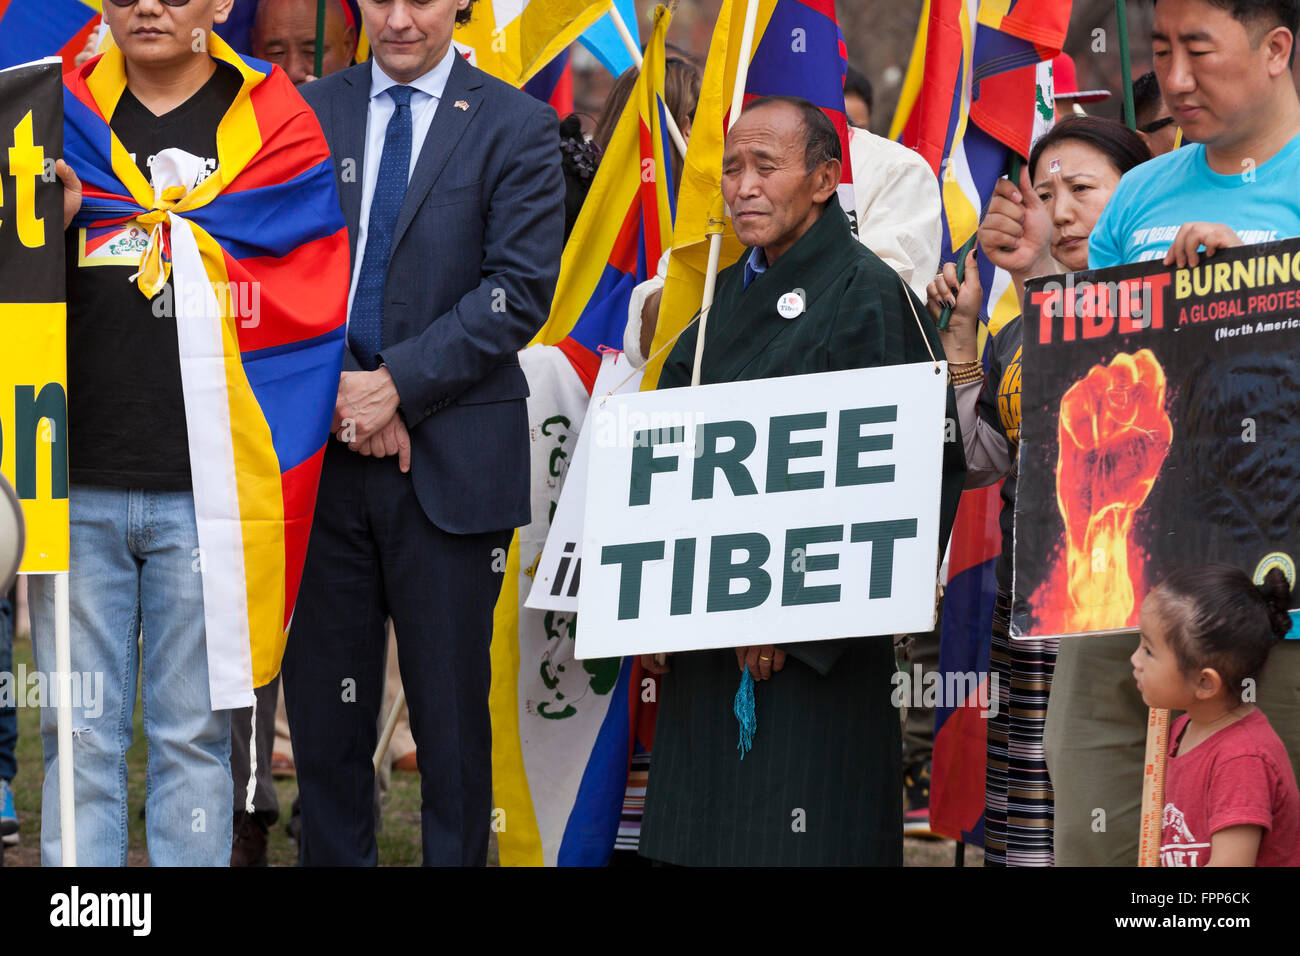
[(700, 209), (512, 41)]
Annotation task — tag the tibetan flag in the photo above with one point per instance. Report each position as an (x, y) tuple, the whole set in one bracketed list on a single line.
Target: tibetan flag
[(562, 729), (626, 220), (797, 51), (968, 96), (31, 29), (553, 84), (257, 255), (968, 106), (514, 39)]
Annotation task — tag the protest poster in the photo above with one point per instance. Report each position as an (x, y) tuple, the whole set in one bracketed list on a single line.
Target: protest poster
[(780, 510), (33, 313), (1160, 426)]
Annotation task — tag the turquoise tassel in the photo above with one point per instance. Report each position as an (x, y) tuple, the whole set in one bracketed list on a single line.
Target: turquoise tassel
[(744, 708)]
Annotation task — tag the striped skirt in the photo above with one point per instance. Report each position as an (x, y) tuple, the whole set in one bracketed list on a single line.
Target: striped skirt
[(1017, 790)]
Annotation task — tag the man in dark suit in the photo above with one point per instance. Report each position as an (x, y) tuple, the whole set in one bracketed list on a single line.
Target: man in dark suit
[(451, 187)]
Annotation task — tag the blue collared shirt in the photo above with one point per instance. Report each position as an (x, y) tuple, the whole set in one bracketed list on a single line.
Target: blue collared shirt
[(755, 265), (424, 102)]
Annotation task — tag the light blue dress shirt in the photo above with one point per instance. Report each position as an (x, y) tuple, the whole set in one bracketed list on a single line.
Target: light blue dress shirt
[(755, 265), (424, 103)]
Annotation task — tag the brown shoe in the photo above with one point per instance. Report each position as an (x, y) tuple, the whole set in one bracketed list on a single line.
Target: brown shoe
[(406, 763), (282, 766), (249, 845)]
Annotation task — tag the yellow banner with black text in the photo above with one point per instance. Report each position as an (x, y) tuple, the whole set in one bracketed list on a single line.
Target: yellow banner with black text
[(33, 313)]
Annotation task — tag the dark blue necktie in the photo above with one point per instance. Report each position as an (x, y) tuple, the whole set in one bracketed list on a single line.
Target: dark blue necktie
[(366, 326)]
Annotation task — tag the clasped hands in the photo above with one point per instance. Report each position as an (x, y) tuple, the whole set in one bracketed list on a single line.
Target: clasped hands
[(365, 416), (761, 662)]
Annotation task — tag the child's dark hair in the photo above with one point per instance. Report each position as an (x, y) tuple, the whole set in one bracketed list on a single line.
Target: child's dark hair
[(1217, 617)]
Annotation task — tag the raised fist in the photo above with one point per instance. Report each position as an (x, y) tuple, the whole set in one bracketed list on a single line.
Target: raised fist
[(1114, 436), (1016, 232)]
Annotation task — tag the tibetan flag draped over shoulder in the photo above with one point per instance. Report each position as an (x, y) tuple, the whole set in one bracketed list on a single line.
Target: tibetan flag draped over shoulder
[(968, 105), (31, 29), (560, 727), (257, 256), (797, 51), (513, 39)]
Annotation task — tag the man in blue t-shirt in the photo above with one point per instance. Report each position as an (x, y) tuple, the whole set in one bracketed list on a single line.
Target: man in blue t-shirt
[(1224, 68)]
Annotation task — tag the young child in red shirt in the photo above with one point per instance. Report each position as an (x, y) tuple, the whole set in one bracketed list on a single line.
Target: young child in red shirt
[(1230, 792)]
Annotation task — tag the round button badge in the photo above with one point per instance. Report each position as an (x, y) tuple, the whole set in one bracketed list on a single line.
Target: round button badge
[(790, 305)]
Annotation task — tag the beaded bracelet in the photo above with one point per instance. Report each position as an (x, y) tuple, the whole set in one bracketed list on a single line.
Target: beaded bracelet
[(963, 373)]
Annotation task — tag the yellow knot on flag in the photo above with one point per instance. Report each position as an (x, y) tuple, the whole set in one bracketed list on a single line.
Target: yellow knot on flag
[(155, 266)]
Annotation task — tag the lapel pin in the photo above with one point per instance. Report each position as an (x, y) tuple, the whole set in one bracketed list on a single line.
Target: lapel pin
[(790, 305), (461, 105)]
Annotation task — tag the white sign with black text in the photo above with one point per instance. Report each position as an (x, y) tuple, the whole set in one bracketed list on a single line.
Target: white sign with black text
[(771, 511)]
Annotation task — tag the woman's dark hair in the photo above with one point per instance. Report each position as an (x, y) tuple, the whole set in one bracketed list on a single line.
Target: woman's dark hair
[(1119, 144), (615, 100), (1217, 617), (856, 82), (681, 95)]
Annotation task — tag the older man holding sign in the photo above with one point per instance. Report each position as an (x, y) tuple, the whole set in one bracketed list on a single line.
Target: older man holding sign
[(784, 519)]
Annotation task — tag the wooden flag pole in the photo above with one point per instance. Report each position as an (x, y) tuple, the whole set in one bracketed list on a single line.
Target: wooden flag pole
[(320, 38), (716, 223), (1153, 787), (389, 726), (625, 34)]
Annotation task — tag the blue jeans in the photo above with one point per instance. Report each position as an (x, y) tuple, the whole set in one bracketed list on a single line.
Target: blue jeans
[(8, 715), (135, 567)]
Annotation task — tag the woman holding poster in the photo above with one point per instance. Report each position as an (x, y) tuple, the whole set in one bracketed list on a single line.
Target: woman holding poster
[(1040, 228)]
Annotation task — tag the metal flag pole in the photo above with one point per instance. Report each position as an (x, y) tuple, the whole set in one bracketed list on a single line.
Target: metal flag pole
[(63, 683), (716, 222), (625, 34)]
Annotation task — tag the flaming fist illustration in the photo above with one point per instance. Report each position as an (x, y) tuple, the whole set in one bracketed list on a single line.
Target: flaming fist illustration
[(1114, 436)]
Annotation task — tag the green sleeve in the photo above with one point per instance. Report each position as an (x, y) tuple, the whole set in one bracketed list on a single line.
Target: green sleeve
[(680, 363)]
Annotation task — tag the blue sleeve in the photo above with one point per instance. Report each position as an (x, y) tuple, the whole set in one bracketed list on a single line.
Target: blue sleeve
[(523, 240), (1105, 247)]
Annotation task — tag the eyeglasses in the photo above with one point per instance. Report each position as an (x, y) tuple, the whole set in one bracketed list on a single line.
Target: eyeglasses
[(169, 3), (1147, 128)]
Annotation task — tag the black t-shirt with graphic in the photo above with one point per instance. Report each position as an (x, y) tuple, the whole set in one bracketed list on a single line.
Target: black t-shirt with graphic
[(126, 414), (999, 405)]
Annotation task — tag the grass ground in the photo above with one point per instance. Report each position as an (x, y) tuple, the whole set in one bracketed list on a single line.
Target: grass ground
[(399, 836)]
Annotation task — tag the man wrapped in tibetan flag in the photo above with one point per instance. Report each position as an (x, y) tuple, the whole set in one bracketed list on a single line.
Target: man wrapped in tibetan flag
[(207, 271)]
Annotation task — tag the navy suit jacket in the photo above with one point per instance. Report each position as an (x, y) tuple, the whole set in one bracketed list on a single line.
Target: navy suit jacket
[(472, 270)]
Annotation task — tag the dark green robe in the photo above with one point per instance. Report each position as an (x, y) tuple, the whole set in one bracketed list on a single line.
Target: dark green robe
[(823, 784)]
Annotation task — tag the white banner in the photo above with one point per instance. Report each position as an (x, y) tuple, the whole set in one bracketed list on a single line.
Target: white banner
[(559, 570), (772, 511)]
